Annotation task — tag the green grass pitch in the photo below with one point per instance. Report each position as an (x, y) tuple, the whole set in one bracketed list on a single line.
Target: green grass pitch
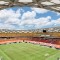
[(27, 51)]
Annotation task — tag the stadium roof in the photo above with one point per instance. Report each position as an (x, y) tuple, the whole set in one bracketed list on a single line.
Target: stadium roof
[(46, 4)]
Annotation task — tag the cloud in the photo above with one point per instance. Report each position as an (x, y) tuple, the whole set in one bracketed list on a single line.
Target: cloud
[(29, 15), (58, 14), (35, 23), (39, 10), (41, 22), (9, 13), (10, 19), (7, 26), (53, 23)]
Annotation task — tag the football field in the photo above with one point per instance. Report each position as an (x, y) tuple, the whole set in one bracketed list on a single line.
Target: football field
[(27, 51)]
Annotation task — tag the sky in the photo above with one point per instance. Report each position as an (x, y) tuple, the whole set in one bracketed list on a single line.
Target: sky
[(24, 18)]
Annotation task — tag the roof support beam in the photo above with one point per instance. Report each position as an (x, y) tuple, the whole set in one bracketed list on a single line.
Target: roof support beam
[(38, 2), (34, 3)]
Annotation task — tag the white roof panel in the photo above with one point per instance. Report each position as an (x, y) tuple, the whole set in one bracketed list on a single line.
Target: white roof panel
[(3, 2), (47, 3), (25, 1), (56, 1)]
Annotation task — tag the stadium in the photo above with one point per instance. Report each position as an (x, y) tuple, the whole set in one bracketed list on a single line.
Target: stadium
[(30, 44)]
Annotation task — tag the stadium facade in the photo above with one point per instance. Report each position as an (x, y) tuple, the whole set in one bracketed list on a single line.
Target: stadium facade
[(45, 36)]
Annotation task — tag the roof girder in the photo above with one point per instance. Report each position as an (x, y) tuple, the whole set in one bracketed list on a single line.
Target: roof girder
[(35, 3)]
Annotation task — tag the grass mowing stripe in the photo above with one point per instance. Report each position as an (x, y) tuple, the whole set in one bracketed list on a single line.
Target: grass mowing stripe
[(14, 52), (27, 51), (39, 49), (30, 52), (11, 52), (5, 55), (54, 57), (40, 55)]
